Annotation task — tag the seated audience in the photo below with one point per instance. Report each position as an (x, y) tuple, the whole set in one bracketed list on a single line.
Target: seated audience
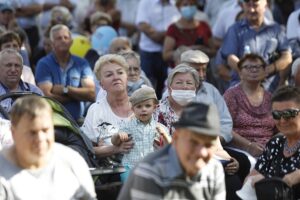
[(65, 77), (184, 169), (250, 107), (11, 40), (105, 117), (11, 65), (281, 157), (142, 129)]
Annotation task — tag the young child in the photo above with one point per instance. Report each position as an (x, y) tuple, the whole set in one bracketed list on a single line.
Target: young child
[(146, 133)]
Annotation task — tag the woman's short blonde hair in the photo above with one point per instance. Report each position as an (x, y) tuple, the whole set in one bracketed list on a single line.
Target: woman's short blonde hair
[(183, 68), (107, 59)]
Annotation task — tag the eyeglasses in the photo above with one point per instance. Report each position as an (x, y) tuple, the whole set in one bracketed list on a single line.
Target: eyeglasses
[(285, 114), (251, 67)]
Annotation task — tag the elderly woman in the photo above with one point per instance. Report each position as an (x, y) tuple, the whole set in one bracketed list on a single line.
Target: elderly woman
[(250, 107), (136, 78), (183, 81), (106, 115), (281, 156), (187, 31)]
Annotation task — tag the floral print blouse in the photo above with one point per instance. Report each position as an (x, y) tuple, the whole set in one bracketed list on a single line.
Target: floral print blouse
[(166, 115), (273, 163)]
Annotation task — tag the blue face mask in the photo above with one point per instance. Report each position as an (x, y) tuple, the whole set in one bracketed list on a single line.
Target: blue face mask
[(188, 12)]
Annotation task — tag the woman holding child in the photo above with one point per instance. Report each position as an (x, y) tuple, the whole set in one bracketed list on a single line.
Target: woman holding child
[(105, 116)]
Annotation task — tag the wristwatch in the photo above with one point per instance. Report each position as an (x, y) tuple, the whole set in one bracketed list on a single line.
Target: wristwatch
[(65, 90)]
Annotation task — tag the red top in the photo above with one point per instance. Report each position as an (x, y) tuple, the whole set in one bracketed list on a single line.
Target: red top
[(189, 37)]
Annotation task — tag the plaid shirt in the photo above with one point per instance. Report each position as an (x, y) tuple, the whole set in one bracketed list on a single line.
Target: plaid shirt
[(143, 136)]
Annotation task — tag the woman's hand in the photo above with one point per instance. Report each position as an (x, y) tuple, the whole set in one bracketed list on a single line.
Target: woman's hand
[(256, 178), (292, 178), (255, 149), (232, 167), (125, 147)]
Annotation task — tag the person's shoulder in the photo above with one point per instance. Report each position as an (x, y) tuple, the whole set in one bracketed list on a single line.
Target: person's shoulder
[(98, 104), (276, 140), (45, 61), (232, 90), (210, 88), (158, 157), (81, 61), (35, 89)]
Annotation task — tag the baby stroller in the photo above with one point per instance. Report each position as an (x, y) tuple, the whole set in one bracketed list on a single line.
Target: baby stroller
[(68, 132)]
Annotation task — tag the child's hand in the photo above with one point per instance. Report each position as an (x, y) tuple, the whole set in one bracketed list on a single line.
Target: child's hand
[(166, 138), (123, 136)]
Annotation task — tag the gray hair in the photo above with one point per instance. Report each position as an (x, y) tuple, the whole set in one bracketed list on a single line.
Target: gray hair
[(183, 68), (131, 54), (56, 28), (4, 53), (109, 58)]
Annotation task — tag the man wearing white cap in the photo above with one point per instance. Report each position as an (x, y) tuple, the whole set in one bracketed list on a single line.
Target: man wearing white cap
[(207, 93)]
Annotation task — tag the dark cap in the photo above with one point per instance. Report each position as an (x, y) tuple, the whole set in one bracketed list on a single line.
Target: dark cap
[(6, 7), (200, 118)]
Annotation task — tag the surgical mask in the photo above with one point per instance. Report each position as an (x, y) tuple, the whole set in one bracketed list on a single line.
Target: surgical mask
[(183, 97), (188, 12)]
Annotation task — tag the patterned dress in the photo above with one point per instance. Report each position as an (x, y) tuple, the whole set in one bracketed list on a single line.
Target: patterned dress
[(254, 123), (166, 115), (273, 163)]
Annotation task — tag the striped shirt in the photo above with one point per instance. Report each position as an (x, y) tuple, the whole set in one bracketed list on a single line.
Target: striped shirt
[(160, 176)]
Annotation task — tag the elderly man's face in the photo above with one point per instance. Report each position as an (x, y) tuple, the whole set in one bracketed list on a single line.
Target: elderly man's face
[(33, 139), (134, 71), (254, 9), (194, 150), (11, 70), (201, 68), (62, 40)]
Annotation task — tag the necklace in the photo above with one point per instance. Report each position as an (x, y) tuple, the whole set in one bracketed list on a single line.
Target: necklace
[(292, 149)]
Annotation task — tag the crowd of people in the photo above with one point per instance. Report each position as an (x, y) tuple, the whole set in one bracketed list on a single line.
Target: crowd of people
[(197, 99)]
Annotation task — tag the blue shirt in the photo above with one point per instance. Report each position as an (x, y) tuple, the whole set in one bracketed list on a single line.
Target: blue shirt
[(268, 39), (23, 87), (48, 70), (209, 94)]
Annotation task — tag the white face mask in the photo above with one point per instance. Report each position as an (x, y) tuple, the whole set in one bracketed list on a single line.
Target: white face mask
[(183, 97)]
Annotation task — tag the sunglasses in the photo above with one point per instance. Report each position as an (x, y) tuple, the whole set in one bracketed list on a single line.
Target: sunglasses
[(285, 114)]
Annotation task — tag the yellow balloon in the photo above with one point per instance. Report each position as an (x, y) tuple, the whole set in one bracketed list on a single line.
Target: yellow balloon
[(80, 46)]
